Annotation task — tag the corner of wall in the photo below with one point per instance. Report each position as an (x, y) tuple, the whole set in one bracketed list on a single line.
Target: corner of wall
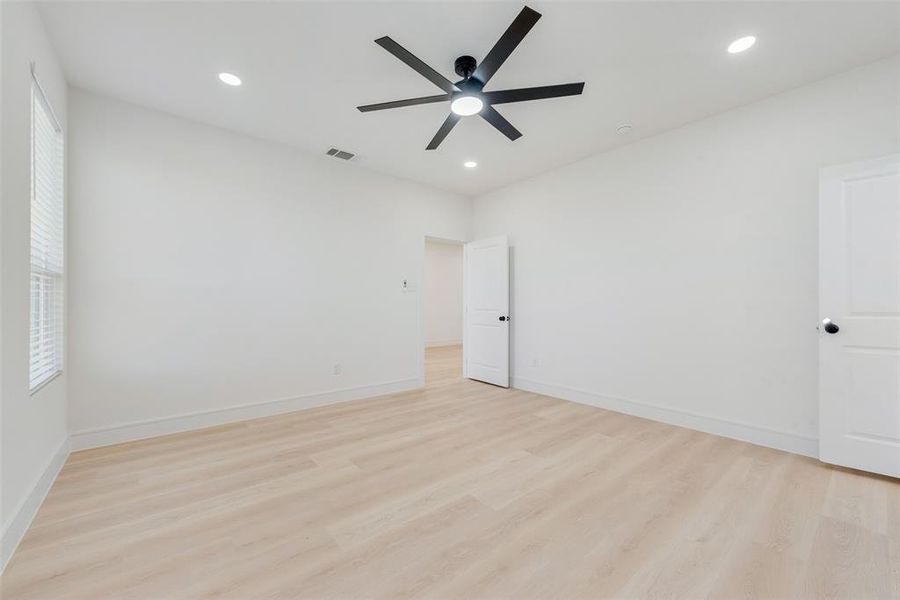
[(24, 514)]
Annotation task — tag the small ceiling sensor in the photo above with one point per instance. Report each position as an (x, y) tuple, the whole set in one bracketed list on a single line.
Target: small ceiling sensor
[(230, 79), (470, 164), (625, 128), (741, 44)]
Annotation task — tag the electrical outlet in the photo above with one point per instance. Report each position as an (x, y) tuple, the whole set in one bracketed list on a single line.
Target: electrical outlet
[(337, 368)]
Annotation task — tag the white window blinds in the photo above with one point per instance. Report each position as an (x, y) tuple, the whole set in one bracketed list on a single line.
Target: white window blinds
[(47, 213)]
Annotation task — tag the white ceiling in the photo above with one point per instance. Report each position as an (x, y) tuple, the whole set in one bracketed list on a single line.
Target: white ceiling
[(306, 66)]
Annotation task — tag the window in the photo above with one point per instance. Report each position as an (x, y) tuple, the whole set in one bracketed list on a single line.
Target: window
[(47, 287)]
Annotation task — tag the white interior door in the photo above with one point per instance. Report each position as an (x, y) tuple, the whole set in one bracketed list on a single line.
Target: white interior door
[(486, 335), (859, 295)]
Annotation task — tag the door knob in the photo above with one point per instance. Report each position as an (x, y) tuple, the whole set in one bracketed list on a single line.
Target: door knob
[(830, 326), (504, 318)]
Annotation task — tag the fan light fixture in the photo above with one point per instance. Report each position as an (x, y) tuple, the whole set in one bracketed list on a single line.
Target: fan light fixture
[(466, 106)]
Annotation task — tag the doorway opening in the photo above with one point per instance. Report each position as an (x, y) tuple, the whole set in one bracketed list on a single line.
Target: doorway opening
[(443, 299)]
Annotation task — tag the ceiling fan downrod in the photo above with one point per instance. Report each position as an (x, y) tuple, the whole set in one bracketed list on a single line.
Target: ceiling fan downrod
[(464, 66)]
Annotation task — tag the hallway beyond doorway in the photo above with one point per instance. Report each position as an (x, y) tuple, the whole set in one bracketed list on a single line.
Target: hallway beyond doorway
[(443, 365)]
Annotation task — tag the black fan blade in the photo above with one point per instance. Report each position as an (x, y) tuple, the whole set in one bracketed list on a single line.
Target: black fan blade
[(490, 115), (533, 93), (449, 123), (420, 67), (402, 103), (506, 44)]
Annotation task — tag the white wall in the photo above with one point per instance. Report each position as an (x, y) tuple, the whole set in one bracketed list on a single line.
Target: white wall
[(209, 271), (443, 294), (677, 277), (33, 430)]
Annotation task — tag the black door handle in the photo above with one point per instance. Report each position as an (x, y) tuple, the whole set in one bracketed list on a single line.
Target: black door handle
[(830, 326), (504, 318)]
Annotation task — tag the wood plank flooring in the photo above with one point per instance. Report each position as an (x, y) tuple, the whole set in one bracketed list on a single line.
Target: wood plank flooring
[(461, 490)]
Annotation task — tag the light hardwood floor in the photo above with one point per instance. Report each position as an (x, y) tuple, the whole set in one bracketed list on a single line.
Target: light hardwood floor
[(461, 490)]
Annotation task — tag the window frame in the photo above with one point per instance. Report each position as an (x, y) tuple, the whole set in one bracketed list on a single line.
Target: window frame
[(52, 281)]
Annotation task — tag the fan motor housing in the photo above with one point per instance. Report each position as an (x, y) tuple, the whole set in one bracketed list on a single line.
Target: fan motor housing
[(464, 66)]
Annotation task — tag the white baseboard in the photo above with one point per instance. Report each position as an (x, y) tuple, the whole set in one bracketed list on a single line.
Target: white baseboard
[(24, 514), (440, 343), (754, 434), (129, 432)]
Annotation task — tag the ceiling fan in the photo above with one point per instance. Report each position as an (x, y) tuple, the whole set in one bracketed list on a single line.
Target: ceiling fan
[(467, 96)]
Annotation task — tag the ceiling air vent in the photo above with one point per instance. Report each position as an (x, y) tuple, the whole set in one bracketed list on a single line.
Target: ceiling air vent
[(342, 154)]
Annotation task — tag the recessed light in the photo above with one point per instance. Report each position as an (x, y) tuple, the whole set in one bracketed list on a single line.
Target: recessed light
[(470, 164), (625, 128), (230, 79), (741, 44), (466, 106)]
